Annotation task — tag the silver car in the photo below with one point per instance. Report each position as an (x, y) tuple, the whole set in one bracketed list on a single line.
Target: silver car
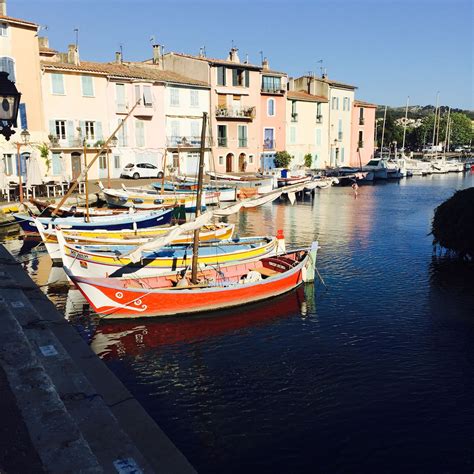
[(141, 170)]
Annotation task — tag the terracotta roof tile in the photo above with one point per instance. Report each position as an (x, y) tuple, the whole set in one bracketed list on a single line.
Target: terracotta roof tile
[(9, 19), (124, 70), (302, 95), (361, 103)]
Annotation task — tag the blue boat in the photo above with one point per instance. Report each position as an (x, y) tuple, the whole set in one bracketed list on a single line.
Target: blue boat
[(120, 222)]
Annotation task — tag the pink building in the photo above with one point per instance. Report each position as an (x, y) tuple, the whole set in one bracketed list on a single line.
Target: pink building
[(362, 131), (273, 114)]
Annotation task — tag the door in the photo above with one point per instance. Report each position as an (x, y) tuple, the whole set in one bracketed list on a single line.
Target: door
[(242, 162), (228, 163), (76, 165), (268, 139)]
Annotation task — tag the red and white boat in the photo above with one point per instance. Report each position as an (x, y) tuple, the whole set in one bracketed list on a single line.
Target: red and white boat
[(217, 288)]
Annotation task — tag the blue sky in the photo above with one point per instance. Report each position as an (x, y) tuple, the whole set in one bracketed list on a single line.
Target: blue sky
[(389, 49)]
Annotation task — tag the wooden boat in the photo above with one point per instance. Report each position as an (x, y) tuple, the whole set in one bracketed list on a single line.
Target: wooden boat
[(115, 261), (214, 194), (217, 288), (119, 222), (46, 209), (289, 180), (147, 199), (212, 232)]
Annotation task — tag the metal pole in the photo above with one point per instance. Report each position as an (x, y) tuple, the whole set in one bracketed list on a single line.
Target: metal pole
[(198, 199), (108, 168), (383, 131), (405, 125), (435, 116), (20, 187), (85, 181)]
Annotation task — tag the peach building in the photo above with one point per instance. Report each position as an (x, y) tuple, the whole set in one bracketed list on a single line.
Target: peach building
[(86, 101), (234, 107), (273, 114), (19, 56), (362, 130)]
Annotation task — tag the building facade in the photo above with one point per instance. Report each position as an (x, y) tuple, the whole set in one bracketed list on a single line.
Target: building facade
[(363, 133)]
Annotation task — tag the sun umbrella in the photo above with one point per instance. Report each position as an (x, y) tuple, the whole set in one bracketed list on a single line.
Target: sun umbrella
[(33, 171)]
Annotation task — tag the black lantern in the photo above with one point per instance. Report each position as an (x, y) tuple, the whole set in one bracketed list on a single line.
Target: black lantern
[(9, 103), (113, 141)]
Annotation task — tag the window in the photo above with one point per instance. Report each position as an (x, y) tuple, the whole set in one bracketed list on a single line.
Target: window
[(120, 96), (8, 65), (293, 107), (3, 29), (116, 162), (122, 134), (137, 93), (250, 159), (271, 84), (361, 116), (221, 160), (292, 134), (89, 130), (87, 86), (147, 97), (346, 104), (268, 139), (140, 133), (57, 84), (174, 96), (60, 129), (102, 162), (222, 135), (195, 129), (319, 113), (240, 77), (242, 136), (175, 131), (339, 133), (221, 75), (8, 163), (360, 143), (271, 107), (194, 99)]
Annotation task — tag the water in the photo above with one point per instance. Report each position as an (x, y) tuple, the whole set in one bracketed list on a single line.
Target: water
[(374, 374)]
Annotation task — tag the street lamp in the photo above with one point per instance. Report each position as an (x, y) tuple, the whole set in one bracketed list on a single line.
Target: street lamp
[(25, 140), (9, 103)]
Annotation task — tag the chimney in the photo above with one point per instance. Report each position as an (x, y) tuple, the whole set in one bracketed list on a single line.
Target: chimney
[(265, 64), (118, 57), (43, 42), (3, 7), (72, 54), (291, 84), (233, 56), (156, 53)]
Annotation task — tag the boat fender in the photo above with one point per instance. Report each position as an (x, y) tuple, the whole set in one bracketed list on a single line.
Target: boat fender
[(251, 277)]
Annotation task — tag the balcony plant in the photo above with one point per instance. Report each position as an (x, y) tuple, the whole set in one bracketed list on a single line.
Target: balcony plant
[(282, 159), (44, 153), (308, 160)]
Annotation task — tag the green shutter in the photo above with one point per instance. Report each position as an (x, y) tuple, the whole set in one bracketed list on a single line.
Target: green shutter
[(98, 131), (247, 78), (235, 78), (52, 127)]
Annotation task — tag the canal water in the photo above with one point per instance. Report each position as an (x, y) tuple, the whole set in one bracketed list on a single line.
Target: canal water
[(372, 372)]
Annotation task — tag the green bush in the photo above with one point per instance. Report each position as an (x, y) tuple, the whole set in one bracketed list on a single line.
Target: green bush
[(308, 160), (282, 159)]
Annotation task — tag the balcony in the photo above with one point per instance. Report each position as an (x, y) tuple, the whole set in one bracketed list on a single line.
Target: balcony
[(361, 121), (319, 119), (272, 90), (143, 110), (339, 136), (269, 144), (121, 108), (241, 113), (360, 144), (294, 117), (243, 143), (188, 142)]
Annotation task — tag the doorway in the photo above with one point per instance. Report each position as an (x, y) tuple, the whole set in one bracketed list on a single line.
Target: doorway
[(229, 159), (242, 162), (76, 165)]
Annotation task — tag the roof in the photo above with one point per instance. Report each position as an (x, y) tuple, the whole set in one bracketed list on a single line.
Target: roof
[(271, 71), (302, 95), (361, 103), (17, 21), (44, 50), (342, 85), (212, 61), (124, 70)]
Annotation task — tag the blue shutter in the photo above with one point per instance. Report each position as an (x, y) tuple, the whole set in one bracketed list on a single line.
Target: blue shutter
[(70, 132), (23, 121), (52, 127), (57, 84), (56, 161), (98, 131)]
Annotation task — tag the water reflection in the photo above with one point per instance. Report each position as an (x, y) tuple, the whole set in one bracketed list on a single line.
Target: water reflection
[(131, 338)]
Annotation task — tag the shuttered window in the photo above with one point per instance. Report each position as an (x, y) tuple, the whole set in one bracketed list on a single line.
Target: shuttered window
[(56, 161), (8, 65), (87, 86), (194, 98), (147, 97), (221, 76), (57, 84), (3, 29), (242, 136), (140, 133), (174, 96)]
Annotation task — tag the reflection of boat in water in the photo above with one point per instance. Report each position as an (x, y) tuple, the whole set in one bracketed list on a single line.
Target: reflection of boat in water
[(116, 339)]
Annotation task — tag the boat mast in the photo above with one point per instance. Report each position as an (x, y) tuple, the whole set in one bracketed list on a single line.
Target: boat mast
[(405, 125), (383, 131), (435, 116), (437, 132), (446, 134), (85, 181), (198, 199)]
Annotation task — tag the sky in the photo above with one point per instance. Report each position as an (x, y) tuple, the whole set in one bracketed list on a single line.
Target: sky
[(389, 49)]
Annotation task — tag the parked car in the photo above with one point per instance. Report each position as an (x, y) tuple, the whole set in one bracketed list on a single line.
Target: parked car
[(141, 170), (459, 149)]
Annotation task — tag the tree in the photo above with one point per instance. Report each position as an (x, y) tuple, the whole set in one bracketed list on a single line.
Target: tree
[(393, 132), (308, 160), (282, 159)]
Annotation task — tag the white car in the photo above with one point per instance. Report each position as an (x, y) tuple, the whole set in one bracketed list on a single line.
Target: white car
[(141, 170)]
